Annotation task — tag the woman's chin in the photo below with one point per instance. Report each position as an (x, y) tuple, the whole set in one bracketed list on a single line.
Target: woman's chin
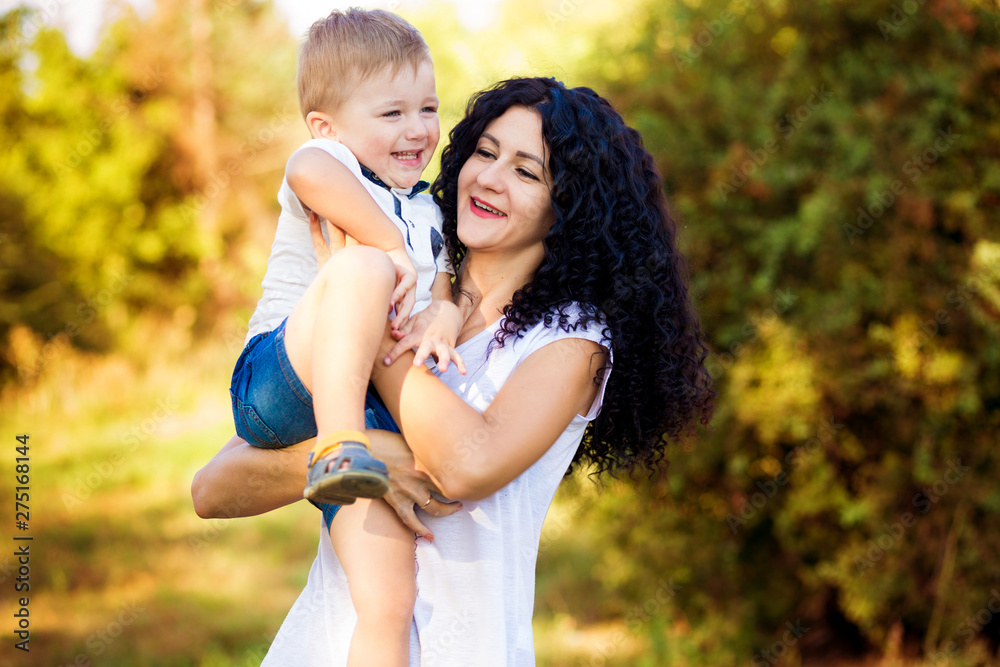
[(473, 238)]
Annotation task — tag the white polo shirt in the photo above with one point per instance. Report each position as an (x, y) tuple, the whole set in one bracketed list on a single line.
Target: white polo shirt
[(292, 265)]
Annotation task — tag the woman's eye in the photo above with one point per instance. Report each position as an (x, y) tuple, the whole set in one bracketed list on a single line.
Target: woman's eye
[(482, 152), (527, 174)]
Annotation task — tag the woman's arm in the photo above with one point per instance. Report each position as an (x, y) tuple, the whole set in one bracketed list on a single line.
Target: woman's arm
[(471, 455), (242, 480)]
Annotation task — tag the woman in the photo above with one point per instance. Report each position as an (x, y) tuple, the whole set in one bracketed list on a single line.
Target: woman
[(555, 215)]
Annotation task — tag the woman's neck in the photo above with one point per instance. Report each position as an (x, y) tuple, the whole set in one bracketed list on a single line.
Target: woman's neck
[(486, 284)]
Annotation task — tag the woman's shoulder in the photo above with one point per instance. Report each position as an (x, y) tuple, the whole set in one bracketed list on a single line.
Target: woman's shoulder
[(571, 316), (571, 319)]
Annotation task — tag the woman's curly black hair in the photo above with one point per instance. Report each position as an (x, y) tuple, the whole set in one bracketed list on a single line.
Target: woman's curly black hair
[(611, 250)]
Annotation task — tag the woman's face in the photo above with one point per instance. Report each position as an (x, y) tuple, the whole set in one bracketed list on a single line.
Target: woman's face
[(504, 203)]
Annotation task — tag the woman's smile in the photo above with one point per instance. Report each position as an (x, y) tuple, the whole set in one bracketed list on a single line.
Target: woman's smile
[(484, 210)]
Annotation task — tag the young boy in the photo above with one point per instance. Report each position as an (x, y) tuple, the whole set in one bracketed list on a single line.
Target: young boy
[(366, 90)]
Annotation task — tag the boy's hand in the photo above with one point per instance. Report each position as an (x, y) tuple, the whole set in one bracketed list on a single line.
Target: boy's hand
[(433, 331), (404, 295)]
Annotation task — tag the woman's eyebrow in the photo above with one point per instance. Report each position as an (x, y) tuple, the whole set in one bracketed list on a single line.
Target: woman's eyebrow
[(530, 156)]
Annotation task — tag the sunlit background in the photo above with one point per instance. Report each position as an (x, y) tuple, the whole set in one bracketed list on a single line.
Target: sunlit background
[(81, 20), (835, 167)]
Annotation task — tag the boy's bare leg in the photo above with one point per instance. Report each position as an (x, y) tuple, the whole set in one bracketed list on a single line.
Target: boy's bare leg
[(377, 553), (333, 334)]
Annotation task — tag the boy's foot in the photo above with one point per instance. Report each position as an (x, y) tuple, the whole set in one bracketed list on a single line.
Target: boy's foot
[(342, 469)]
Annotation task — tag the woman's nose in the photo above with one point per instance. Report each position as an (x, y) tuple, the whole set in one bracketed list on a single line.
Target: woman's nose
[(491, 177)]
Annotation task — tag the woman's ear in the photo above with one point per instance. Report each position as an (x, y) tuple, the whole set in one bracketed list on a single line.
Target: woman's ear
[(321, 125)]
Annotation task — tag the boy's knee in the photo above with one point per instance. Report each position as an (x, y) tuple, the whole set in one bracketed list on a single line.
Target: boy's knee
[(360, 262)]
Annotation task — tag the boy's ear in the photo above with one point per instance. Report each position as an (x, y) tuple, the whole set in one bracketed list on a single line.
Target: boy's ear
[(321, 125)]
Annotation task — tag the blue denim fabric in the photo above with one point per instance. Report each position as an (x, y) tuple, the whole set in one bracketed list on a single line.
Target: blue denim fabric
[(271, 407)]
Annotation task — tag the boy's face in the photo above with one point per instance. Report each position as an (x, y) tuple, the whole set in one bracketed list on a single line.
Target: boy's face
[(390, 123)]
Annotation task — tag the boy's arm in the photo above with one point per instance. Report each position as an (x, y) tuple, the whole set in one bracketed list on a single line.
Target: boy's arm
[(328, 188), (325, 185)]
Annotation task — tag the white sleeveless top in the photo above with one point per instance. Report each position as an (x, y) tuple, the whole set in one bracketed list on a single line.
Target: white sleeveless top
[(476, 581)]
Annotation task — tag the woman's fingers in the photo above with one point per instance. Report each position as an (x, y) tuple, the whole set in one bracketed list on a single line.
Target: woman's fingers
[(442, 351), (437, 508), (338, 239), (320, 246), (404, 329), (413, 490), (405, 510)]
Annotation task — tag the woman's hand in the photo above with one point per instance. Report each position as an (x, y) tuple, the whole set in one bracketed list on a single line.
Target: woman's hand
[(433, 331), (338, 238), (471, 454), (408, 487)]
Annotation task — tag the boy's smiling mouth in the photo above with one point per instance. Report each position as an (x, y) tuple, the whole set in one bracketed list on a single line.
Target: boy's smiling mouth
[(411, 158)]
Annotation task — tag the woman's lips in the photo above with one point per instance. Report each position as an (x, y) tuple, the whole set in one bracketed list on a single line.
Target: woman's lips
[(480, 212)]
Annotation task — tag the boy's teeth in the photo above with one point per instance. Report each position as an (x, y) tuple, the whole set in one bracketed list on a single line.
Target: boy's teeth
[(406, 156)]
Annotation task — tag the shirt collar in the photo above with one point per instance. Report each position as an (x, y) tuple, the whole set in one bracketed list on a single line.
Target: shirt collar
[(373, 177)]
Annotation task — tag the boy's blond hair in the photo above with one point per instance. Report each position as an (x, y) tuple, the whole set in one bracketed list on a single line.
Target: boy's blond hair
[(345, 48)]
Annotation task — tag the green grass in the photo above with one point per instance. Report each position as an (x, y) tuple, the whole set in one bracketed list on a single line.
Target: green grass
[(122, 570), (124, 573)]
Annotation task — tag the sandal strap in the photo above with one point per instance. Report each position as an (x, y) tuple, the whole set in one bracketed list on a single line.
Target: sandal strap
[(332, 441)]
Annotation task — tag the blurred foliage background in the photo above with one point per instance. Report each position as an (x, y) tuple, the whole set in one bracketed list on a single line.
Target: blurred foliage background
[(836, 167)]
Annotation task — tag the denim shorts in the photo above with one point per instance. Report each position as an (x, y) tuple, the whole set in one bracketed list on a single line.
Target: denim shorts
[(273, 409)]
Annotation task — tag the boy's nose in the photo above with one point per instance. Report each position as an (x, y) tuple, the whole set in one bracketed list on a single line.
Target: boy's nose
[(416, 129)]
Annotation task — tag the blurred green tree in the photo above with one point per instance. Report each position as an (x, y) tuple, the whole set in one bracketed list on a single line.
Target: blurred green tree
[(835, 169), (135, 177)]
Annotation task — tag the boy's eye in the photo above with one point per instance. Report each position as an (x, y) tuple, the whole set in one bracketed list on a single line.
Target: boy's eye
[(429, 110), (390, 113)]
